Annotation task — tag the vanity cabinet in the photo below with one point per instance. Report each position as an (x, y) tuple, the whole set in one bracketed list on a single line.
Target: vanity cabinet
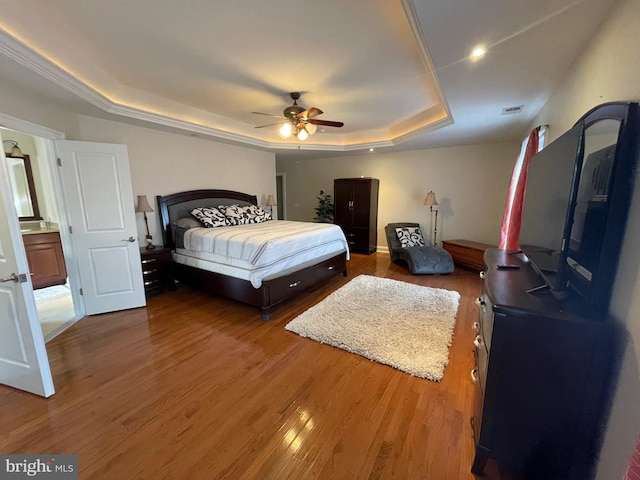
[(46, 260), (540, 377)]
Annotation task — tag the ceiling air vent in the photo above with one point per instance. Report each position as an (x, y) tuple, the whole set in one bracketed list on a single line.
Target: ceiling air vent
[(512, 110)]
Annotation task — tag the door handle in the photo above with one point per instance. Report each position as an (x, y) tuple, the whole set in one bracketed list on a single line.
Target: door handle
[(130, 239), (14, 277)]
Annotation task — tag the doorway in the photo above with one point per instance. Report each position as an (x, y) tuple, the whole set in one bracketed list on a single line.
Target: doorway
[(42, 235), (281, 195)]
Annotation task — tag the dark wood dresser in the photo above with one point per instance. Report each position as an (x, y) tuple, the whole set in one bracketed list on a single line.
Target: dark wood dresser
[(541, 376), (157, 270), (356, 212)]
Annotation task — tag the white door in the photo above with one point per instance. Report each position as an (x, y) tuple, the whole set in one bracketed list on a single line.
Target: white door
[(23, 357), (97, 188)]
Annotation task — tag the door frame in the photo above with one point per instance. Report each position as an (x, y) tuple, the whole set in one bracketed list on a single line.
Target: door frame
[(282, 201), (49, 137)]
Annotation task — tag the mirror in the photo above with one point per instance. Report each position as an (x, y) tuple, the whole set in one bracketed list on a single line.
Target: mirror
[(24, 192), (592, 202)]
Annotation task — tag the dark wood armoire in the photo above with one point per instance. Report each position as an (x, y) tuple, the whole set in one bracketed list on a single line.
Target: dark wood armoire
[(356, 212)]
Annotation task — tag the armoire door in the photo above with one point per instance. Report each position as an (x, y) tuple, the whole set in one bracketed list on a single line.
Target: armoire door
[(361, 202), (343, 208)]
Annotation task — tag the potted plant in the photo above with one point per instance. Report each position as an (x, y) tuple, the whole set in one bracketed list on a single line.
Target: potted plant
[(324, 210)]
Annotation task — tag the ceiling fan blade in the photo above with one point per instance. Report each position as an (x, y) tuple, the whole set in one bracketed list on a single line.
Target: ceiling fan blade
[(326, 123), (269, 125), (310, 113), (270, 115)]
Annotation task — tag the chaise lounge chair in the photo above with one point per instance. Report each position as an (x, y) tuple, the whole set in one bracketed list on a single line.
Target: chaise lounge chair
[(420, 258)]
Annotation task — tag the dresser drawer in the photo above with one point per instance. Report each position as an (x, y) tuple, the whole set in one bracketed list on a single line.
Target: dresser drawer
[(482, 360), (485, 320), (329, 268), (157, 272), (282, 287)]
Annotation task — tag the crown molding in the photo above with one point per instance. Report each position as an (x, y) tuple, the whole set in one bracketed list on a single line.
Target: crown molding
[(25, 55)]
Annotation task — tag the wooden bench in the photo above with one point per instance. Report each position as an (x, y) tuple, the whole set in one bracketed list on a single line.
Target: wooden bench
[(467, 254)]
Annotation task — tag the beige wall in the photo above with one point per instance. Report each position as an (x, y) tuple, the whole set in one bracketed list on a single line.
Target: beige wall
[(609, 70), (17, 102), (163, 163), (470, 184)]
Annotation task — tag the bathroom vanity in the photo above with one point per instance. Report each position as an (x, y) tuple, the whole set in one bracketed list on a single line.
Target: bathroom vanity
[(45, 257)]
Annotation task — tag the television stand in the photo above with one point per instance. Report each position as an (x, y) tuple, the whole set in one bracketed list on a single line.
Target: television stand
[(541, 377)]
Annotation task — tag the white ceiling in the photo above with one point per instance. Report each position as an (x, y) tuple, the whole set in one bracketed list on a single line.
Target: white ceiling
[(396, 72)]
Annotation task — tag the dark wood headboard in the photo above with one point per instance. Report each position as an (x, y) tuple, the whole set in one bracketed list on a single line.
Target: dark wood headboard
[(178, 205)]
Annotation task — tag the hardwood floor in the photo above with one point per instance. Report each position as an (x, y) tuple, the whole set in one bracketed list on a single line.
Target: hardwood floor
[(198, 387)]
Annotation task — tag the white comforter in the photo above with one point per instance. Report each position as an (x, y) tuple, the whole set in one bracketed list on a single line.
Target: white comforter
[(269, 246)]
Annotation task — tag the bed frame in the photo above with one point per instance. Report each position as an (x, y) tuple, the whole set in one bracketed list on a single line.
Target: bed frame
[(273, 291)]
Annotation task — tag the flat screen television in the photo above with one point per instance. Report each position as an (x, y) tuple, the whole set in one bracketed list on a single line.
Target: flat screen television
[(578, 193), (546, 212)]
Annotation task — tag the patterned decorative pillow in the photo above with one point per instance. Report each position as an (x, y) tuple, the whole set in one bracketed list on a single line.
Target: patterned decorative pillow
[(410, 236), (257, 214), (237, 215), (210, 217)]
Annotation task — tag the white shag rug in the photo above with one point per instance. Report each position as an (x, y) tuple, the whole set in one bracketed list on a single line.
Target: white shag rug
[(406, 326)]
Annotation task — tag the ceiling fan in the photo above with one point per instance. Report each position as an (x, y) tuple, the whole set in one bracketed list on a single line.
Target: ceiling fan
[(297, 121)]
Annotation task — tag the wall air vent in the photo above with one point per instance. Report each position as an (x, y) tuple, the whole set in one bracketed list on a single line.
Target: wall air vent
[(512, 110)]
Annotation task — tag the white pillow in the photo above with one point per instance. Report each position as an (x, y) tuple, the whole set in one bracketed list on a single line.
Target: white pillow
[(410, 236), (210, 217)]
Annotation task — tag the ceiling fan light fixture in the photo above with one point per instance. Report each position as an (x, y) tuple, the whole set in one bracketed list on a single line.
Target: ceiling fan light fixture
[(285, 130), (310, 128), (299, 122)]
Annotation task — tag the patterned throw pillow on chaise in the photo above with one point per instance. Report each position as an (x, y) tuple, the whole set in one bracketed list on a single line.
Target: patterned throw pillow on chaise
[(410, 236), (210, 217)]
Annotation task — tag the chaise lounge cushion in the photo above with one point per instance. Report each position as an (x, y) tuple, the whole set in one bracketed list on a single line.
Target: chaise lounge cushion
[(421, 260)]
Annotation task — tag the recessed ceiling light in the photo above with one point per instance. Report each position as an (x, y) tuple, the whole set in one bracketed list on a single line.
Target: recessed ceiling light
[(371, 149), (478, 52)]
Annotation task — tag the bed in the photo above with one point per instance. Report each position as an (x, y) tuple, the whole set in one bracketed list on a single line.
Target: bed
[(251, 272)]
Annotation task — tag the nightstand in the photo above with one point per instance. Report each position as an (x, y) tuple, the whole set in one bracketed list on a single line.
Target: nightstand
[(157, 274)]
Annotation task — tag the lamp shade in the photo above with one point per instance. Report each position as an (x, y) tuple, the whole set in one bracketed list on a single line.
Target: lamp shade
[(430, 200), (310, 128), (15, 149), (285, 130), (143, 204), (302, 134), (271, 202)]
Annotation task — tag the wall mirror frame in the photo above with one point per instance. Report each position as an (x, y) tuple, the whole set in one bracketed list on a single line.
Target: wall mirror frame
[(23, 186)]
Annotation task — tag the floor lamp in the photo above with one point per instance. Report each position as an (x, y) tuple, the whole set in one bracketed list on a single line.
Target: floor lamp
[(430, 201)]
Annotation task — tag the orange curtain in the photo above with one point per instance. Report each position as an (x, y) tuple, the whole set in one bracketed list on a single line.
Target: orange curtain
[(633, 469), (510, 231)]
